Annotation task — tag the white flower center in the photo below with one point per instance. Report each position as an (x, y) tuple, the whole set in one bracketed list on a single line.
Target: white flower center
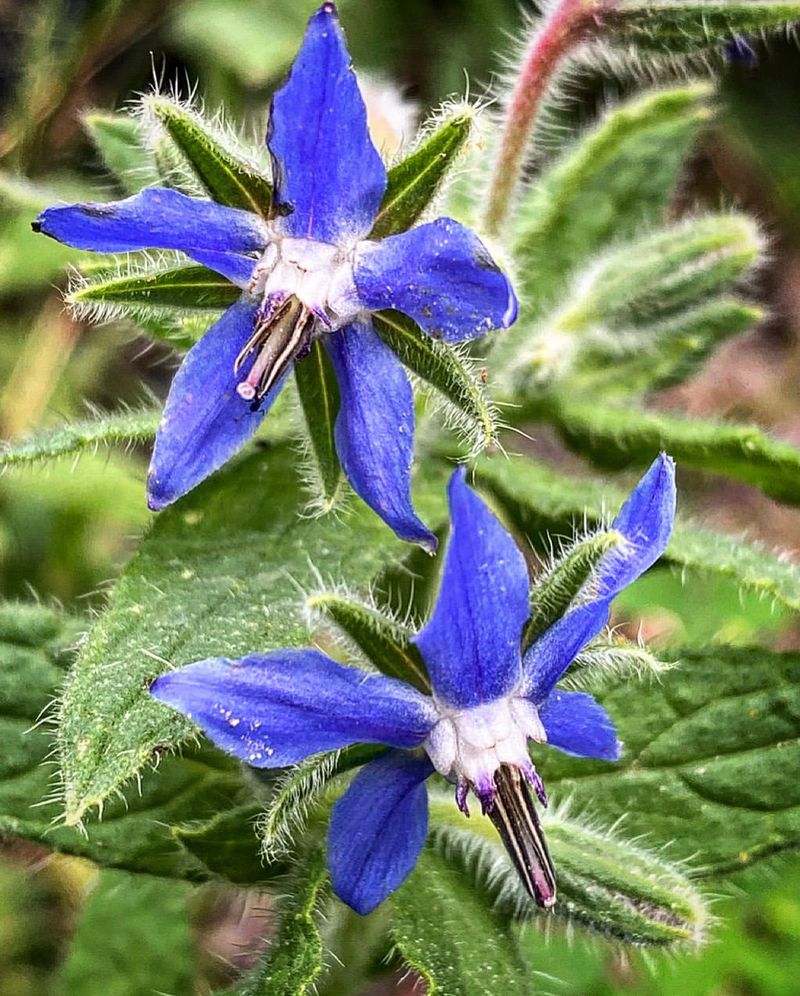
[(318, 274), (469, 746)]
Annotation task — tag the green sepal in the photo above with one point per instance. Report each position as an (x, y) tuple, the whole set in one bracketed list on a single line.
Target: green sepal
[(414, 182), (294, 961), (105, 429), (448, 373), (606, 883), (119, 140), (450, 934), (384, 642), (227, 177), (682, 27), (619, 438), (554, 592), (318, 390), (299, 791), (538, 500), (178, 288)]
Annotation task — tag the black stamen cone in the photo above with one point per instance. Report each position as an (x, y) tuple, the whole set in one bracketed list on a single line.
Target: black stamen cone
[(515, 818)]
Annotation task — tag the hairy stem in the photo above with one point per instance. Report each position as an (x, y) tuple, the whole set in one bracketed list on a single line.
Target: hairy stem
[(566, 25)]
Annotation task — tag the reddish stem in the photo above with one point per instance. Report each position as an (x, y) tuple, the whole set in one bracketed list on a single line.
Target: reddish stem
[(568, 24)]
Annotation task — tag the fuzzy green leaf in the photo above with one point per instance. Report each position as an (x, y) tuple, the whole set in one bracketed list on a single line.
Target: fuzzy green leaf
[(553, 593), (218, 575), (710, 759), (119, 140), (449, 934), (295, 958), (177, 288), (685, 26), (447, 372), (616, 180), (538, 500), (624, 437), (226, 176), (133, 937), (383, 641), (318, 390), (414, 182), (603, 881), (125, 428), (141, 833)]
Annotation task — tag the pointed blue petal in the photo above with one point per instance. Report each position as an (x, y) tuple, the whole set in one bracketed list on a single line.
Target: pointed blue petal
[(577, 724), (237, 267), (374, 430), (275, 709), (442, 276), (378, 829), (205, 421), (157, 218), (645, 520), (471, 644), (326, 170)]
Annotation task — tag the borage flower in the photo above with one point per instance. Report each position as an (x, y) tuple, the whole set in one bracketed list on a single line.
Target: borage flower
[(307, 271), (489, 698)]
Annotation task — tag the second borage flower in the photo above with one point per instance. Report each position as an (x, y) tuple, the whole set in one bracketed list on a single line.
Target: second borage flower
[(490, 696), (308, 270)]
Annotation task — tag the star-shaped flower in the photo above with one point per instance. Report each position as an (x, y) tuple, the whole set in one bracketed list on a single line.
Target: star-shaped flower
[(490, 697), (308, 271)]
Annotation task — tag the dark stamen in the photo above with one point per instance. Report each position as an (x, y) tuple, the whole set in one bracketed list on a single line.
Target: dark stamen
[(515, 818), (278, 341)]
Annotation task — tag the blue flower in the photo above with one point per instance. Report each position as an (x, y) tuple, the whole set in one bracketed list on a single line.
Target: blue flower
[(489, 699), (329, 182)]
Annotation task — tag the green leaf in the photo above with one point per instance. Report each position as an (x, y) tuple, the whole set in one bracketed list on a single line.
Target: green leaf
[(555, 590), (709, 762), (119, 140), (125, 427), (318, 390), (153, 291), (142, 833), (603, 881), (220, 574), (449, 373), (685, 26), (383, 641), (623, 437), (295, 958), (133, 937), (414, 182), (616, 180), (449, 934), (538, 500), (226, 176)]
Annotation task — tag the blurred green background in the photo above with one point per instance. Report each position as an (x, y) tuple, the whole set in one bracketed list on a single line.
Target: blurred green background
[(65, 530)]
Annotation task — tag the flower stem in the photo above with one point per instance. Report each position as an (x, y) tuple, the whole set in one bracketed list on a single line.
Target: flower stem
[(567, 24)]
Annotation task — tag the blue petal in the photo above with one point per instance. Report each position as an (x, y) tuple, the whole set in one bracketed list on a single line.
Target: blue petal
[(325, 167), (205, 421), (577, 724), (442, 276), (278, 708), (378, 829), (374, 430), (237, 267), (157, 219), (645, 520), (471, 644)]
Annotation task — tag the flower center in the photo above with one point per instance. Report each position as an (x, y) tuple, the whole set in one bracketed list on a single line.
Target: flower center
[(468, 747), (304, 286)]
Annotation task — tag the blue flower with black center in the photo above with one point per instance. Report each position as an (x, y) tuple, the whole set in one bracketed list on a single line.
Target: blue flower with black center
[(308, 271), (490, 698)]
